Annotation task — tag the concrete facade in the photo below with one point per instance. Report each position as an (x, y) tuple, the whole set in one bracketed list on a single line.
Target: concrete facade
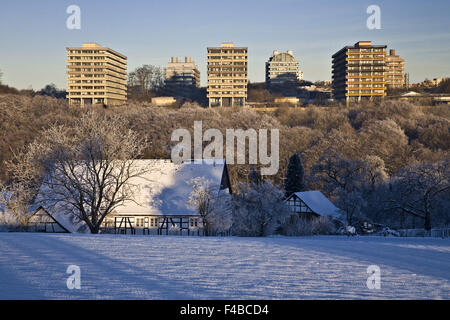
[(96, 75), (282, 67), (359, 72), (227, 75), (181, 78), (395, 70)]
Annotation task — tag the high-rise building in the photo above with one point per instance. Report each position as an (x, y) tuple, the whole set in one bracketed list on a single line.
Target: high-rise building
[(395, 70), (227, 75), (359, 72), (182, 78), (96, 75), (282, 67)]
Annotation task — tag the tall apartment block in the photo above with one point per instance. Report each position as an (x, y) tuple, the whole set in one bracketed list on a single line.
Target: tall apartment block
[(96, 75), (282, 67), (395, 70), (359, 72), (182, 78), (227, 75)]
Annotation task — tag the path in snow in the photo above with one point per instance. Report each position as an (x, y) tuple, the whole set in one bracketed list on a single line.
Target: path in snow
[(33, 266)]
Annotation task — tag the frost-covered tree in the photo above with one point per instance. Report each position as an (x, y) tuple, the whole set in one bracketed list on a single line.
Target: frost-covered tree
[(213, 206), (373, 171), (17, 194), (416, 189), (351, 205), (258, 209), (87, 169), (295, 176), (335, 173), (15, 200)]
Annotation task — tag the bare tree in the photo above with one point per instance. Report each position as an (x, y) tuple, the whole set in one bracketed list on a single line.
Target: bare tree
[(213, 206), (16, 198), (351, 205), (87, 170), (416, 188), (18, 193), (336, 173), (146, 78)]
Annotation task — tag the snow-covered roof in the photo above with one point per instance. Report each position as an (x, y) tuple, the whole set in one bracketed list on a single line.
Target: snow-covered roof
[(410, 93), (163, 189), (318, 203)]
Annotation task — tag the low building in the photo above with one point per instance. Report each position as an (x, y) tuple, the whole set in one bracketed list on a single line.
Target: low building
[(42, 221), (163, 101), (290, 100), (312, 204), (161, 202)]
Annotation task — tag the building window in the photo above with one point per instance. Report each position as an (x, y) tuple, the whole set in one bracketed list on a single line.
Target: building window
[(139, 222), (193, 222)]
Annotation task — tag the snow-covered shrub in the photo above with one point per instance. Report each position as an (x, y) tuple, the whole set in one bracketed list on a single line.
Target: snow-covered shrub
[(213, 206), (322, 225), (258, 209), (14, 204), (296, 225), (8, 221)]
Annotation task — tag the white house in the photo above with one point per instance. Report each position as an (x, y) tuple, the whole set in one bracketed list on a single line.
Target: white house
[(312, 203), (160, 203)]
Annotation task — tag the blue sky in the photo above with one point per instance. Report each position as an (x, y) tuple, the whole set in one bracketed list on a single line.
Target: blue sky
[(33, 34)]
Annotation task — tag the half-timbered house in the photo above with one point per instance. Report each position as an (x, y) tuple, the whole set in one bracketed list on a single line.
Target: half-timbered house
[(161, 200), (312, 204)]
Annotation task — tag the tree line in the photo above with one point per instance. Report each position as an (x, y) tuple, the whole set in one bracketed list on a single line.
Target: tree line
[(382, 162)]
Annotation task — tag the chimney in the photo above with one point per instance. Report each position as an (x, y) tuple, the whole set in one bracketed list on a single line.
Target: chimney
[(275, 52), (392, 52), (187, 59), (290, 52)]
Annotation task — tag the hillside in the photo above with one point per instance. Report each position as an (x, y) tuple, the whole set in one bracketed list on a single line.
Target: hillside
[(398, 132)]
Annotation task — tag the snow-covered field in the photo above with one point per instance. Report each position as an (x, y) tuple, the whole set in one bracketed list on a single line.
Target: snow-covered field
[(33, 266)]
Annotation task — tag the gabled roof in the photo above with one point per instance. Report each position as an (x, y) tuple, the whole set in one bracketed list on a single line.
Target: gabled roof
[(165, 189), (42, 216), (318, 203)]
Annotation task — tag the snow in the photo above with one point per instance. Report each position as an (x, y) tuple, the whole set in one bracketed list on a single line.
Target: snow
[(410, 93), (33, 266), (165, 189), (318, 203)]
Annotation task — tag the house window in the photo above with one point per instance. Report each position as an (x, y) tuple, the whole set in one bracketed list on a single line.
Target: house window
[(193, 222), (153, 222), (139, 222)]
